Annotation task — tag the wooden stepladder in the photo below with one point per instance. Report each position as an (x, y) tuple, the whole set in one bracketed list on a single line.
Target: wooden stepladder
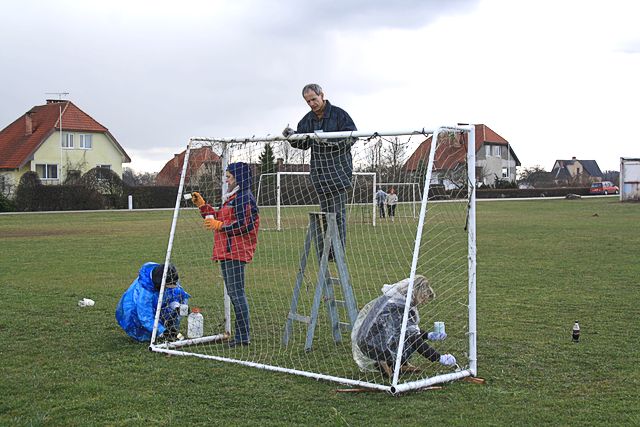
[(324, 241)]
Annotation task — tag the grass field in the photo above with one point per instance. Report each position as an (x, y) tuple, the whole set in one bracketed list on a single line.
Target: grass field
[(541, 265)]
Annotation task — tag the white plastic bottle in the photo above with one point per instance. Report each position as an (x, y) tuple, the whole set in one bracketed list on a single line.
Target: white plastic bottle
[(195, 324)]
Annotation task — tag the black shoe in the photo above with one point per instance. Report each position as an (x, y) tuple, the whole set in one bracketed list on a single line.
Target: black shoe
[(233, 344)]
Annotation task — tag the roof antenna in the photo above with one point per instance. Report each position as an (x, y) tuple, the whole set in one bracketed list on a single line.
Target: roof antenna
[(60, 94)]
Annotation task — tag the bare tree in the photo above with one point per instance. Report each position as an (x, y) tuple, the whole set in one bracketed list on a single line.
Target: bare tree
[(392, 158)]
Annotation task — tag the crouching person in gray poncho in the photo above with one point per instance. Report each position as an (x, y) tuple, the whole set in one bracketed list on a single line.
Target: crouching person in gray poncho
[(376, 332)]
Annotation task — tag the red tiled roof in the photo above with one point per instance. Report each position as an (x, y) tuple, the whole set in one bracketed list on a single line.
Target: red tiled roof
[(17, 145), (448, 156), (170, 173)]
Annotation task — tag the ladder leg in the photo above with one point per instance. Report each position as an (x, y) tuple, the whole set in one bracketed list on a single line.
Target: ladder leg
[(293, 313), (315, 226), (345, 281), (330, 237)]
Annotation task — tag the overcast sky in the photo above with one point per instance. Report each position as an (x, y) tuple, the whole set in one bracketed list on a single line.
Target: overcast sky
[(555, 78)]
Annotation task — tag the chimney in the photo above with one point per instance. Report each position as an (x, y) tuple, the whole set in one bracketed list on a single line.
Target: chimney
[(279, 163), (28, 123), (55, 101)]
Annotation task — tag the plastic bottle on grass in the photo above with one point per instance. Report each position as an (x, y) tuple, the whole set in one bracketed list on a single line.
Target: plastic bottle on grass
[(195, 324), (575, 332)]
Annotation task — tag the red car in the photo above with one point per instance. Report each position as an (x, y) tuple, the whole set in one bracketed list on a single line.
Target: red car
[(604, 187)]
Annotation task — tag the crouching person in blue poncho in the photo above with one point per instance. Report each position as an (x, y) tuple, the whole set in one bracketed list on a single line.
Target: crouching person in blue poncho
[(136, 310)]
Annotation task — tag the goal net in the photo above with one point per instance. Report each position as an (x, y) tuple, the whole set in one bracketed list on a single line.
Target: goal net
[(326, 296), (283, 190)]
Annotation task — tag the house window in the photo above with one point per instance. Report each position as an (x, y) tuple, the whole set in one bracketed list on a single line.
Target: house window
[(45, 171), (102, 172), (86, 141), (505, 172), (497, 150), (67, 140), (487, 150)]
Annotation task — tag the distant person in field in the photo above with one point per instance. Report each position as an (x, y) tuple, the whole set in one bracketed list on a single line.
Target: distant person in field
[(392, 201), (136, 311), (376, 333), (235, 226), (331, 162), (381, 199)]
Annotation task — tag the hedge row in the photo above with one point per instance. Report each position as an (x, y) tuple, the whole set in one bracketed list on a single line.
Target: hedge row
[(491, 193), (78, 197)]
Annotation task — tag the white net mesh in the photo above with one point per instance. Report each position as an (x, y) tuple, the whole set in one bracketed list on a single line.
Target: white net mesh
[(278, 192), (300, 314)]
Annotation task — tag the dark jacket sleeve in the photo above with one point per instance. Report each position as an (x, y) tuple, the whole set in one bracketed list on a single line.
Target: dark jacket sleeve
[(304, 126)]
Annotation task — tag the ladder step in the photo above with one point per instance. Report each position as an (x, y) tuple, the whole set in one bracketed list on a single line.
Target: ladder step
[(300, 318), (344, 326)]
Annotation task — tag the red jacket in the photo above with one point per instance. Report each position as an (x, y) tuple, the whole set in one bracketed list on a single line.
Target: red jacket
[(238, 238)]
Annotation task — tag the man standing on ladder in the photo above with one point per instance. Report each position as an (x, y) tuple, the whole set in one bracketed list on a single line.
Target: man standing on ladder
[(331, 162)]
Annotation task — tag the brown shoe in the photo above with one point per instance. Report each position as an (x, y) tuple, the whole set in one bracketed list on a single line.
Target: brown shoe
[(385, 369), (408, 368)]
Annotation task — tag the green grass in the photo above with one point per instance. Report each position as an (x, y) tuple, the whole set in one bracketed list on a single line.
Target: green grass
[(541, 266)]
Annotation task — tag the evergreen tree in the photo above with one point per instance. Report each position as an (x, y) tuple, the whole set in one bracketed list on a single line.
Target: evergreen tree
[(267, 160)]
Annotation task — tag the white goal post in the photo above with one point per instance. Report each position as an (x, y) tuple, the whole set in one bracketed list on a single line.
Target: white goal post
[(307, 175), (306, 294)]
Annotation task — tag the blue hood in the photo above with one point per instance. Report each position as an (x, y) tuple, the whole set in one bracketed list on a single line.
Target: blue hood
[(242, 173), (145, 276)]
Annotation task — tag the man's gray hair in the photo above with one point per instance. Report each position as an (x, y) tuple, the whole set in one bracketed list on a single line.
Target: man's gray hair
[(312, 87)]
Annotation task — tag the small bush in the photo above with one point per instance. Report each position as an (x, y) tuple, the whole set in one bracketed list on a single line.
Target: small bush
[(6, 204)]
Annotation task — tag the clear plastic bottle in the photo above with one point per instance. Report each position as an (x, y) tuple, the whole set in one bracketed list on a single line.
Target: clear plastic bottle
[(195, 324)]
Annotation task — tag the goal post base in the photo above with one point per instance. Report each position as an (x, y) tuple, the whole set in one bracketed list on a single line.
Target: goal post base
[(183, 343)]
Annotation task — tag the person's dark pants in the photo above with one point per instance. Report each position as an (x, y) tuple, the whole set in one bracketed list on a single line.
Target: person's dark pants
[(336, 202), (233, 274), (391, 210), (381, 210)]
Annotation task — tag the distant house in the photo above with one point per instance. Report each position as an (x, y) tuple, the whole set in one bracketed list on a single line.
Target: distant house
[(576, 172), (201, 160), (56, 140), (495, 158), (204, 161)]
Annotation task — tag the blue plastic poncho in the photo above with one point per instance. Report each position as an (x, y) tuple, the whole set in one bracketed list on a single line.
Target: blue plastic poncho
[(136, 310)]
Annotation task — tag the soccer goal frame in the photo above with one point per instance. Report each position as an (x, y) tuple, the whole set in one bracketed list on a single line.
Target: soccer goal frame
[(279, 204), (394, 385)]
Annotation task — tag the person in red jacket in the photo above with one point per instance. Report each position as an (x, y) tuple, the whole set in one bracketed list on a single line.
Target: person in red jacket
[(235, 226)]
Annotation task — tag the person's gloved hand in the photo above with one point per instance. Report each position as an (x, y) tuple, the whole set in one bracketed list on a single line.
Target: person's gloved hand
[(197, 199), (213, 224), (436, 336), (175, 305), (447, 360), (287, 132)]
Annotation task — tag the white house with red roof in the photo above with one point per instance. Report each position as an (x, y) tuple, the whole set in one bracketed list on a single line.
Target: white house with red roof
[(55, 140), (495, 158)]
